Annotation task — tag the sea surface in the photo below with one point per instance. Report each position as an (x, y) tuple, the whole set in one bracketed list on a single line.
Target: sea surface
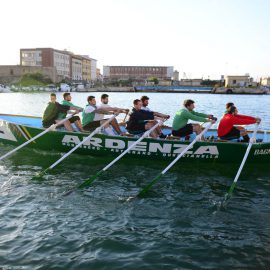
[(182, 223)]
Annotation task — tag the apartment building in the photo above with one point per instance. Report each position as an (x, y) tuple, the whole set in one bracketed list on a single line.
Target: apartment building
[(76, 68), (89, 68), (47, 57), (138, 72), (68, 65), (86, 68)]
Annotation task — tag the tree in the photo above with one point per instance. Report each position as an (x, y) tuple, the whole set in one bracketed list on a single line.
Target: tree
[(154, 80)]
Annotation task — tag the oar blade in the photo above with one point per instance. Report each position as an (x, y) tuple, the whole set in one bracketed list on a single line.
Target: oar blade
[(40, 175), (90, 180), (146, 189), (84, 184)]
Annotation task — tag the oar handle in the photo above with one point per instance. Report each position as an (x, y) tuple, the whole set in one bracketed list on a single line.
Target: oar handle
[(125, 117)]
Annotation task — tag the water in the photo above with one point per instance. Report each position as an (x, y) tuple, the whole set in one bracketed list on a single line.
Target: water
[(180, 224)]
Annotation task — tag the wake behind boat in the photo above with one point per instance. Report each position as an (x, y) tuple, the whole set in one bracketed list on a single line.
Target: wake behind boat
[(17, 129)]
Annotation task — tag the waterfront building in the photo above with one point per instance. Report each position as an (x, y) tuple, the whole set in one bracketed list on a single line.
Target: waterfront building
[(68, 65), (238, 81), (93, 69), (47, 57), (99, 75), (86, 68), (176, 75), (76, 68), (137, 72), (12, 73), (265, 81)]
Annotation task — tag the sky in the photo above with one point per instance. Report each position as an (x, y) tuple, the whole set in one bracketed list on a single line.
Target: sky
[(200, 38)]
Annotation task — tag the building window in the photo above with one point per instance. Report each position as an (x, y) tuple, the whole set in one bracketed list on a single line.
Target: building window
[(11, 72), (234, 81)]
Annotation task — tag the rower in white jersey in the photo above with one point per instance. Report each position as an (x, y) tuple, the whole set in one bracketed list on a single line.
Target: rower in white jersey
[(99, 116)]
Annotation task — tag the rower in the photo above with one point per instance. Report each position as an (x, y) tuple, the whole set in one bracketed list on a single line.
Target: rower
[(100, 116), (90, 111), (181, 128), (53, 109), (142, 120), (227, 129), (74, 119)]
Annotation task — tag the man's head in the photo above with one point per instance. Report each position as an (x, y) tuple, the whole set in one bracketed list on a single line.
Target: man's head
[(137, 104), (189, 104), (228, 105), (67, 96), (53, 97), (91, 100), (145, 101), (104, 98), (232, 110)]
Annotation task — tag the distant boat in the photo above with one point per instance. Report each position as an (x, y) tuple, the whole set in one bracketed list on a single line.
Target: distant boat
[(17, 129)]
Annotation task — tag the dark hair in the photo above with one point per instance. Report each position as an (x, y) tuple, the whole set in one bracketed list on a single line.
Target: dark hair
[(143, 98), (53, 95), (229, 104), (135, 101), (231, 109), (104, 96), (66, 95), (89, 98), (188, 102)]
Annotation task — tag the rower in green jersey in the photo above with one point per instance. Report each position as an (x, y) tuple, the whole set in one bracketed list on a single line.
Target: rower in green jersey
[(180, 126), (74, 119)]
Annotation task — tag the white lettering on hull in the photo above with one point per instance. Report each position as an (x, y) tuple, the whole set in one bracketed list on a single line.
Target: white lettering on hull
[(212, 150), (141, 146), (114, 143), (144, 148), (155, 147), (262, 152)]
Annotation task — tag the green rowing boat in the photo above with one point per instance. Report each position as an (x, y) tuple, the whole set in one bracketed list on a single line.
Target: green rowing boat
[(17, 129)]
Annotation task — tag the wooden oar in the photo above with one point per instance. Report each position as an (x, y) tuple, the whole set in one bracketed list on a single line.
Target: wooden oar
[(125, 117), (251, 141), (90, 180), (77, 146), (198, 137), (52, 127)]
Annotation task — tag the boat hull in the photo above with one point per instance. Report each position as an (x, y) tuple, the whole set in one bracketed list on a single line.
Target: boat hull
[(151, 149)]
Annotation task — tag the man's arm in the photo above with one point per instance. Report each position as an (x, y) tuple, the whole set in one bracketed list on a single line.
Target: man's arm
[(64, 102), (161, 115), (62, 108), (200, 114), (110, 110), (194, 117)]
